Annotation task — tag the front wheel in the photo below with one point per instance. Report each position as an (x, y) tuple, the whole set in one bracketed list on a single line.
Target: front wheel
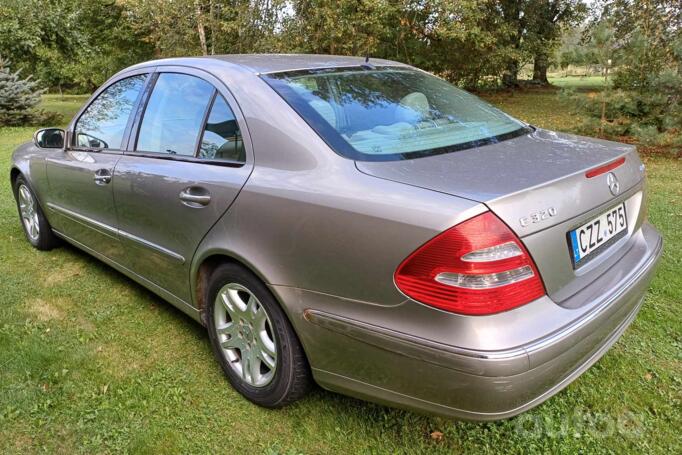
[(36, 227), (253, 339)]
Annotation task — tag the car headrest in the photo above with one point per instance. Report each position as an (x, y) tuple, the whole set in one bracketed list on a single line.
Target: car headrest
[(418, 102)]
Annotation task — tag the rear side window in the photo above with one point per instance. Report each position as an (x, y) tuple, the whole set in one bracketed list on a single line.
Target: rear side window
[(222, 139), (174, 115), (103, 123)]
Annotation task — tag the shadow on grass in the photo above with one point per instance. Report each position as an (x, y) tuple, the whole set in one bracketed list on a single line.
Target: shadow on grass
[(141, 292)]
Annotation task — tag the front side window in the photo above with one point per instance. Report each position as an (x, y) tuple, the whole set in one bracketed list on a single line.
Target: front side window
[(222, 139), (389, 113), (174, 115), (103, 123)]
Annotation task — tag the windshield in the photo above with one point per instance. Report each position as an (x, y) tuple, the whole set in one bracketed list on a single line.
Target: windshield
[(388, 113)]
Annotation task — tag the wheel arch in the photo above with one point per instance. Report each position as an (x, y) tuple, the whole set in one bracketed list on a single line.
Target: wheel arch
[(14, 173), (206, 264), (21, 169), (201, 273)]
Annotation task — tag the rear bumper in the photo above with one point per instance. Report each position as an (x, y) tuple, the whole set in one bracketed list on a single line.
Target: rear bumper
[(373, 361)]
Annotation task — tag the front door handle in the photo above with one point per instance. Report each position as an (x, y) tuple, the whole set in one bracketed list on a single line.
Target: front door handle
[(102, 176), (195, 197)]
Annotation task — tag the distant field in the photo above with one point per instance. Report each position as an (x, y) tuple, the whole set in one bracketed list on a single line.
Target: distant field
[(66, 105), (578, 82), (540, 107)]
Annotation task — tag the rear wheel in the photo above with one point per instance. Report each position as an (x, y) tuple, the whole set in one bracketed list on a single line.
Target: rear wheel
[(253, 339), (36, 227)]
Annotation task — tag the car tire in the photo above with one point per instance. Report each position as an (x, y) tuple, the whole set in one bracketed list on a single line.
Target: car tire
[(253, 339), (36, 227)]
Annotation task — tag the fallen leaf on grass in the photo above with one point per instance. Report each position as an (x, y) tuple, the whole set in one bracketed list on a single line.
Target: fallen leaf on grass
[(436, 435)]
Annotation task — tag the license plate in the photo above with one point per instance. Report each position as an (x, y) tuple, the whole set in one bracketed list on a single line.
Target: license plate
[(589, 239)]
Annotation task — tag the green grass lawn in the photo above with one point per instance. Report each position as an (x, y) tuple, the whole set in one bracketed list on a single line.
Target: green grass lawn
[(578, 82), (92, 363), (538, 107), (66, 105)]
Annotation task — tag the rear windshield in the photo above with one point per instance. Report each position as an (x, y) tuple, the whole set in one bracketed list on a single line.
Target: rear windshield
[(388, 113)]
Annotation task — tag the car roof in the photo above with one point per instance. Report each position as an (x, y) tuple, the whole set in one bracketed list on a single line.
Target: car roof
[(269, 63), (266, 63)]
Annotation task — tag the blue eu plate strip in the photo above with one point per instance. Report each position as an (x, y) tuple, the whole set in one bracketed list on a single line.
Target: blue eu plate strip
[(574, 244)]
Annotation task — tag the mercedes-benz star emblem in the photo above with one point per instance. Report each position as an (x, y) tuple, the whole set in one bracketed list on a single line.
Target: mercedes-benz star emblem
[(612, 182)]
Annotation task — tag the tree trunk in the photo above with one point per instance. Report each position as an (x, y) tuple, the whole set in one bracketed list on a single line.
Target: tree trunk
[(200, 28), (212, 27), (540, 69), (510, 76)]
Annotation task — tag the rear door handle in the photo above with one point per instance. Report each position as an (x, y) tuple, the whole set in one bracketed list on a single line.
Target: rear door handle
[(102, 176), (195, 197)]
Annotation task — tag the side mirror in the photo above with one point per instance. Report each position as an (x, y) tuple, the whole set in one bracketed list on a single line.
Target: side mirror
[(49, 138)]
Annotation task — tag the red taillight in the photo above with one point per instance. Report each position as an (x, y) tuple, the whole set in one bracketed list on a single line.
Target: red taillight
[(605, 168), (477, 267)]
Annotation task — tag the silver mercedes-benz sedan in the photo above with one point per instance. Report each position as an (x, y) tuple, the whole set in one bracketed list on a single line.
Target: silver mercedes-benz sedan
[(354, 222)]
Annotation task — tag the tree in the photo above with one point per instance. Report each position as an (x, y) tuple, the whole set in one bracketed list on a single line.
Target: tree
[(69, 43), (39, 37), (345, 27), (513, 15), (170, 28), (77, 44), (461, 41), (644, 41), (533, 32), (570, 50), (647, 31), (108, 44), (547, 18), (19, 98), (464, 41)]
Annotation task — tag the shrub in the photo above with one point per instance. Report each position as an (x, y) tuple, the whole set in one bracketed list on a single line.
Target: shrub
[(19, 99), (653, 115)]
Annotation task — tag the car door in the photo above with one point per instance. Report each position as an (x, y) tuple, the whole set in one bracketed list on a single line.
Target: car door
[(80, 197), (188, 158)]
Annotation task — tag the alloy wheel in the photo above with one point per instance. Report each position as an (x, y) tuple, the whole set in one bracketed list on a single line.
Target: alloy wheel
[(245, 334), (29, 212)]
